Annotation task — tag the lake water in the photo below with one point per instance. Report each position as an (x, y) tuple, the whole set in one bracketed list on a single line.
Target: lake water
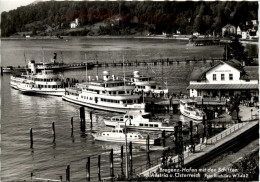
[(22, 112)]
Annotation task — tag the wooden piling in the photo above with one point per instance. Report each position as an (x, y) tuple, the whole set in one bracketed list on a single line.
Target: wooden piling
[(204, 126), (148, 149), (31, 137), (122, 160), (88, 169), (163, 138), (131, 159), (90, 115), (82, 119), (68, 173), (53, 131), (111, 164), (191, 137), (99, 168), (71, 126)]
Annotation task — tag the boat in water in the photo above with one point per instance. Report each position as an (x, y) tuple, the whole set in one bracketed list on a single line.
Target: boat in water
[(118, 135), (139, 121), (46, 82), (146, 84), (108, 94), (188, 108)]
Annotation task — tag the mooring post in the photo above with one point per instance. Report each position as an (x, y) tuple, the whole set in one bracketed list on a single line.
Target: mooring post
[(148, 149), (82, 119), (122, 160), (90, 115), (53, 131), (88, 169), (71, 126), (111, 164), (68, 173), (163, 137), (204, 127), (31, 137), (131, 158), (99, 168), (191, 137)]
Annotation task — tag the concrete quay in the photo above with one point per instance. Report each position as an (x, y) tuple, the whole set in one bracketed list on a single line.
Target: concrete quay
[(210, 146)]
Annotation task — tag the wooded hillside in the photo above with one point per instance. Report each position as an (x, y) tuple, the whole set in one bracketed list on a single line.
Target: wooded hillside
[(153, 17)]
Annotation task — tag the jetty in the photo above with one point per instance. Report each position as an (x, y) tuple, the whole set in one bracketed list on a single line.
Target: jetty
[(207, 149)]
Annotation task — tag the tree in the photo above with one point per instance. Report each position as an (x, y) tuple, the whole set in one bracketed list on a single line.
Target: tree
[(235, 50)]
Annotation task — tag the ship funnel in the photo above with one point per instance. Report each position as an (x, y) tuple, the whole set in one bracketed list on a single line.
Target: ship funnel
[(54, 57), (106, 75), (32, 66), (136, 74)]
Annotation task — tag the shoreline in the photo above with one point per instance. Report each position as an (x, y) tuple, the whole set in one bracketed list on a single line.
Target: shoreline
[(181, 37)]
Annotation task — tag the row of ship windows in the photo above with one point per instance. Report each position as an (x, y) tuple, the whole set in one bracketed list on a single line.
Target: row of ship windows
[(43, 86), (143, 87), (115, 84), (109, 100), (46, 80), (89, 98), (150, 125), (120, 132)]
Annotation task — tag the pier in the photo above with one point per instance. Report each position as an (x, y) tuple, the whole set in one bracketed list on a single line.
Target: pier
[(90, 65), (210, 148)]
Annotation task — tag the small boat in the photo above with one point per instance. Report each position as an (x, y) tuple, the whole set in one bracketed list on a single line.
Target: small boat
[(118, 135), (146, 84), (8, 69), (138, 121), (109, 94), (188, 108), (46, 82)]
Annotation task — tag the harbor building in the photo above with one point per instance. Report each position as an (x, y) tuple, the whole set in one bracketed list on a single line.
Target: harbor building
[(224, 79)]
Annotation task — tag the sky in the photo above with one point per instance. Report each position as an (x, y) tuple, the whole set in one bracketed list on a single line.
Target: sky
[(7, 5)]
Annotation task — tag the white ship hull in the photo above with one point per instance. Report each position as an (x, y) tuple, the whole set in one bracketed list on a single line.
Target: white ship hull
[(133, 126), (115, 108), (190, 114), (52, 92), (121, 140)]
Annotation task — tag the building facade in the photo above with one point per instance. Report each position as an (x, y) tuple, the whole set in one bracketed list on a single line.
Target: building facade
[(74, 24), (225, 79), (229, 30)]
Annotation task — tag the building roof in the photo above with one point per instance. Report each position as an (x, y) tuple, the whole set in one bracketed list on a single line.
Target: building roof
[(252, 72), (223, 86), (229, 26), (199, 73)]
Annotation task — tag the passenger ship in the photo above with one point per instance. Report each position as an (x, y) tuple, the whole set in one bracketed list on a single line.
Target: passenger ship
[(139, 121), (46, 82), (118, 135), (146, 84), (188, 108), (109, 94)]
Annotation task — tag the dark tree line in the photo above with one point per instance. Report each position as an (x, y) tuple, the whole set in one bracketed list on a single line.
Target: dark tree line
[(156, 17)]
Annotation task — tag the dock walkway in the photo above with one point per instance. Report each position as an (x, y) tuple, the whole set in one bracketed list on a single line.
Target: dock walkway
[(210, 145)]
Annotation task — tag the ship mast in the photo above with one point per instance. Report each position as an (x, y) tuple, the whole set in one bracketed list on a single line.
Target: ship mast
[(86, 68), (124, 72)]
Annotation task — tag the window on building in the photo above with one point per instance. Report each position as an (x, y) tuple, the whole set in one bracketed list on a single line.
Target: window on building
[(222, 76), (214, 77), (230, 76)]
